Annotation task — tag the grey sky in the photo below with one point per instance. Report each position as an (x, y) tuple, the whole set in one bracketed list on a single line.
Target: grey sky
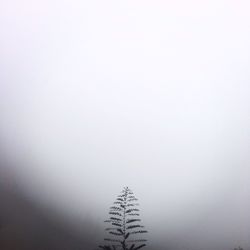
[(96, 95)]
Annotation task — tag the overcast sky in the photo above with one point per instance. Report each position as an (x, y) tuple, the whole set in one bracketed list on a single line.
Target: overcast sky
[(97, 95)]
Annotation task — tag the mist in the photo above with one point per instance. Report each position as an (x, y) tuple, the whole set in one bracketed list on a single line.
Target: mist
[(98, 95)]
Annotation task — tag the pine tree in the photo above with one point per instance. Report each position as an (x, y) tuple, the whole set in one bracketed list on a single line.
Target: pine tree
[(124, 223)]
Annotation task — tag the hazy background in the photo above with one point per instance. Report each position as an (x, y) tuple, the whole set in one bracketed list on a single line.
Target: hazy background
[(97, 95)]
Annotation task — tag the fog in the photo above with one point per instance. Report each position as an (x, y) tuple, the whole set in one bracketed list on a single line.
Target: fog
[(154, 95)]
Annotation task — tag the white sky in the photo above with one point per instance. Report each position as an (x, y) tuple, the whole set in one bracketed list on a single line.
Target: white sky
[(155, 95)]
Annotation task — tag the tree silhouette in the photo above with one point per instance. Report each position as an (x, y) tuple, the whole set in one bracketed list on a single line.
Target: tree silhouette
[(238, 248), (124, 223)]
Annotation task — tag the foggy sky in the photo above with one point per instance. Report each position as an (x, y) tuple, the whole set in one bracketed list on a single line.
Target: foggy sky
[(154, 95)]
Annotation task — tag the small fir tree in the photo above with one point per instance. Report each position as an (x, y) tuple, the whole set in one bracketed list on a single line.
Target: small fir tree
[(124, 223)]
